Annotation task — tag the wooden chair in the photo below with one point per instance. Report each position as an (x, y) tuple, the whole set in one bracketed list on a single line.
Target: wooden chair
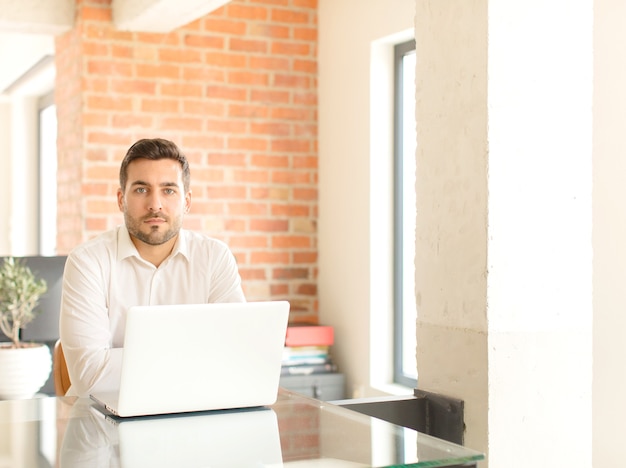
[(59, 370)]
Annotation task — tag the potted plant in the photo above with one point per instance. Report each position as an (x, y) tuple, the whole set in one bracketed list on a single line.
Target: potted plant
[(24, 367)]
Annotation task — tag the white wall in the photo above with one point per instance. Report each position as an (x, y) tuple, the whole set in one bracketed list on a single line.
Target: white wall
[(609, 233), (27, 78), (5, 173), (351, 32), (540, 92)]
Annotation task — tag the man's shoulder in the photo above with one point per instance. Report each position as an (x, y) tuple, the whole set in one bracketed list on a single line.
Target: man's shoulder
[(197, 241), (200, 238), (103, 242)]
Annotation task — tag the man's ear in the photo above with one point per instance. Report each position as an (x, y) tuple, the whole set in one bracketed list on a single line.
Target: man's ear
[(120, 199)]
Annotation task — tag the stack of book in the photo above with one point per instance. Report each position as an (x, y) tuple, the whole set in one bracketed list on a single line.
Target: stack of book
[(307, 350)]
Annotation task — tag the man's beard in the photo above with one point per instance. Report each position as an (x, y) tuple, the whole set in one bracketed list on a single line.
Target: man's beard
[(155, 236)]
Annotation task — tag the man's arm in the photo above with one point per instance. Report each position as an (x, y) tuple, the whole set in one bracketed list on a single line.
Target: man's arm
[(85, 330), (226, 281)]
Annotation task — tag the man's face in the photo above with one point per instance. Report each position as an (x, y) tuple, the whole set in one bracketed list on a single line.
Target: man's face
[(154, 201)]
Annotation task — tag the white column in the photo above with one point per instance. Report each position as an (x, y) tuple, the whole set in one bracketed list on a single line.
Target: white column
[(504, 258)]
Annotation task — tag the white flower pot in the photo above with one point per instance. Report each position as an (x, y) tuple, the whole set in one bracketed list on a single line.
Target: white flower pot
[(23, 371)]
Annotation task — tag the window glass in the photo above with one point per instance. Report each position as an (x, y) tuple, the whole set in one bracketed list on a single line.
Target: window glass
[(47, 178), (405, 309)]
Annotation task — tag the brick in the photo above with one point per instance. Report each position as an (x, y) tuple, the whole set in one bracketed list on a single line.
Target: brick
[(252, 176), (269, 63), (305, 34), (157, 71), (305, 257), (227, 92), (95, 14), (269, 160), (228, 26), (132, 120), (133, 86), (109, 67), (228, 159), (291, 242), (122, 51), (269, 30), (304, 194), (226, 126), (291, 113), (308, 289), (292, 81), (305, 162), (291, 177), (289, 16), (290, 210), (290, 48), (248, 111), (235, 10), (248, 209), (204, 41), (305, 66), (96, 48), (252, 274), (271, 257), (181, 89), (290, 273), (256, 144), (206, 108), (312, 4), (248, 45), (248, 241), (109, 103), (180, 55), (269, 96), (204, 74), (236, 192), (160, 39), (248, 78), (270, 128), (269, 225), (181, 123), (160, 105)]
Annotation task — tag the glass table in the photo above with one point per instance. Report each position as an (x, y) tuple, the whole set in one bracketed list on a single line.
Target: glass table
[(296, 431)]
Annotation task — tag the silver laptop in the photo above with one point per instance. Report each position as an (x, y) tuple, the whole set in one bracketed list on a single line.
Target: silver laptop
[(183, 358)]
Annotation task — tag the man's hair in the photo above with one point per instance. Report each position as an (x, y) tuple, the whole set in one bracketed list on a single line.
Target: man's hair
[(154, 149)]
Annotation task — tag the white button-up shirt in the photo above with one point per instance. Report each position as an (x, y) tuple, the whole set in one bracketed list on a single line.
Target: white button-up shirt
[(105, 276)]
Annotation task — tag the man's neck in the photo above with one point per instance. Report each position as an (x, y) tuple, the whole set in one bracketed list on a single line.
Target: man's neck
[(154, 254)]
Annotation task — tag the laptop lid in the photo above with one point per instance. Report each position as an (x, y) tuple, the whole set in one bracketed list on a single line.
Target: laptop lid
[(196, 357)]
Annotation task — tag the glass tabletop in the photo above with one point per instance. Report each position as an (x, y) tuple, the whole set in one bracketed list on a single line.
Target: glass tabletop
[(294, 432)]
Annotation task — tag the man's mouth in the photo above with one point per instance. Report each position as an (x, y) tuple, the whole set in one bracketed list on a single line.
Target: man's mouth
[(154, 220)]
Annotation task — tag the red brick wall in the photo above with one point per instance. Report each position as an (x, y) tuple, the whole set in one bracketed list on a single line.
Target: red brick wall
[(237, 91)]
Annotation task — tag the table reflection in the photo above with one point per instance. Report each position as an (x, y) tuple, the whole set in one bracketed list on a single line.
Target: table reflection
[(295, 432)]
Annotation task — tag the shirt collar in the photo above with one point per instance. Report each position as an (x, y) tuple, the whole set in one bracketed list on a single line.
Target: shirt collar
[(126, 248)]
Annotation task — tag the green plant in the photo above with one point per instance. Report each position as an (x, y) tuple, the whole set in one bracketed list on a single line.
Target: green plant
[(19, 295)]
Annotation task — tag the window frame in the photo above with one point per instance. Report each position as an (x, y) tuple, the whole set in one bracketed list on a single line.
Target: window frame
[(399, 376)]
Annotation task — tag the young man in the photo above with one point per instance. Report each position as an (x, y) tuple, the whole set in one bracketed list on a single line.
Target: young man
[(148, 260)]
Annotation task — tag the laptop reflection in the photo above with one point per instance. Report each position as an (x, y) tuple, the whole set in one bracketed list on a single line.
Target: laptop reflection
[(228, 438)]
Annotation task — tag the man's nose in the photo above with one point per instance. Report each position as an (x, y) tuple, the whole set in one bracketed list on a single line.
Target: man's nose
[(154, 202)]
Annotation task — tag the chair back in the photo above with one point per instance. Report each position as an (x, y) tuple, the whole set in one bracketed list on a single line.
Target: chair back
[(59, 370)]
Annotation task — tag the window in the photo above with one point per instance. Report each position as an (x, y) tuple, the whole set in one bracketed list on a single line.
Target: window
[(47, 175), (405, 309)]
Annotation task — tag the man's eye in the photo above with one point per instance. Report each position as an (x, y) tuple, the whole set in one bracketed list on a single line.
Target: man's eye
[(170, 191), (141, 190)]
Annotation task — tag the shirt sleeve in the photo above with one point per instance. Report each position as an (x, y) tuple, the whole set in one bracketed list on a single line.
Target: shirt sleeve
[(85, 330), (225, 281)]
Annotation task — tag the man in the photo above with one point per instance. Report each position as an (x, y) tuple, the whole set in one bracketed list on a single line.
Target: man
[(148, 260)]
